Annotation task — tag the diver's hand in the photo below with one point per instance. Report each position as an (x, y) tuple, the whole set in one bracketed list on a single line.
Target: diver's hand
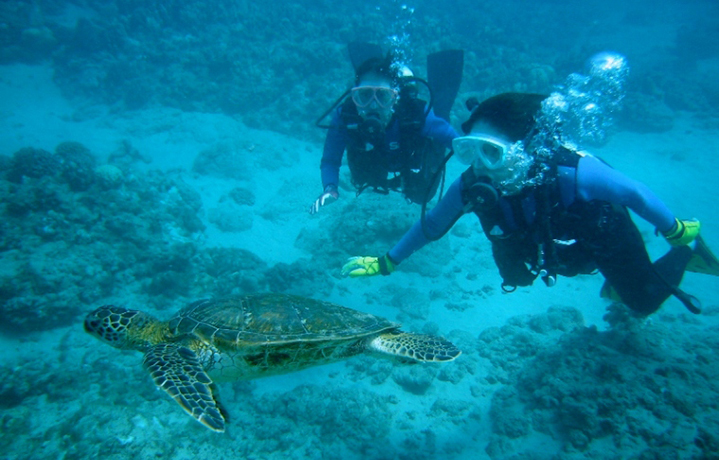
[(683, 232), (329, 195), (368, 266)]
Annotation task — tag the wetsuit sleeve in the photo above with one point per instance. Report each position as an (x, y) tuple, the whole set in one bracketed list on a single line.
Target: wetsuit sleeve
[(438, 129), (598, 181), (438, 220), (335, 144)]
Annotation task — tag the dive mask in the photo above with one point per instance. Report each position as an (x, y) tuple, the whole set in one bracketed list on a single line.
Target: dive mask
[(363, 96), (489, 150)]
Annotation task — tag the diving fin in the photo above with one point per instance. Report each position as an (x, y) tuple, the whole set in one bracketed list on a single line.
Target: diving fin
[(689, 301), (608, 292), (703, 260), (444, 75), (361, 52), (669, 269)]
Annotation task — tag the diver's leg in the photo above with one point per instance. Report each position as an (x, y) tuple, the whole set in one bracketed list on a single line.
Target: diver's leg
[(623, 260), (672, 265)]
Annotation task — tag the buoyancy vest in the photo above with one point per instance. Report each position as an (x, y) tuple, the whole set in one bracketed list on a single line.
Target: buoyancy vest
[(407, 165), (533, 232)]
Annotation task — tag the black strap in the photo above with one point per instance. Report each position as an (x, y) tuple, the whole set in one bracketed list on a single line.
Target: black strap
[(383, 268)]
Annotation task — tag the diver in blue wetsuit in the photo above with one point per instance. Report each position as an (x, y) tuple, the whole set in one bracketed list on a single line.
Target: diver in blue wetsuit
[(394, 140), (553, 212)]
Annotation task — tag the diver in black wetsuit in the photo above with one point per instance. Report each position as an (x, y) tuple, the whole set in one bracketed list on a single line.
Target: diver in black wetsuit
[(394, 140), (560, 213)]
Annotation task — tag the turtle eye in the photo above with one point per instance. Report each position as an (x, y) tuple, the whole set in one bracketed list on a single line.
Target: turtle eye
[(107, 323), (91, 324)]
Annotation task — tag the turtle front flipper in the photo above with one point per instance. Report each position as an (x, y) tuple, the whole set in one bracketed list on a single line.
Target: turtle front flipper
[(419, 347), (177, 370)]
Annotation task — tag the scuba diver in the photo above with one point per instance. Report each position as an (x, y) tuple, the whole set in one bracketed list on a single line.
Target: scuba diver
[(395, 141), (556, 211)]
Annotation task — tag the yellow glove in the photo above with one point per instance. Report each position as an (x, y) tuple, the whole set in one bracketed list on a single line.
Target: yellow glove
[(683, 232), (367, 266)]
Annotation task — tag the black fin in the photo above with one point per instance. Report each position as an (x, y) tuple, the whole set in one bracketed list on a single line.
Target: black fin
[(444, 75), (360, 52)]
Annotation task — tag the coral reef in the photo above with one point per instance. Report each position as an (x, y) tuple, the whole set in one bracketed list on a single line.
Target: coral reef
[(68, 242), (89, 234), (642, 389), (230, 271), (411, 302), (77, 165), (646, 388), (242, 196), (119, 417), (5, 165), (109, 176), (415, 379), (229, 217), (299, 277), (33, 163), (183, 65), (352, 233), (24, 36), (134, 54), (322, 413)]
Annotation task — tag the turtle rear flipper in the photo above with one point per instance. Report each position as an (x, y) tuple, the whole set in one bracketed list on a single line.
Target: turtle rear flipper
[(418, 347), (177, 370)]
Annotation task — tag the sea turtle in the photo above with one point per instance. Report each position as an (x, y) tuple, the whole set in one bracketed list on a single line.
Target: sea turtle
[(251, 336)]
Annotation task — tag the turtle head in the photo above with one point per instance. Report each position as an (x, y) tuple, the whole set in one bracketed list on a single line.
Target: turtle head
[(121, 328)]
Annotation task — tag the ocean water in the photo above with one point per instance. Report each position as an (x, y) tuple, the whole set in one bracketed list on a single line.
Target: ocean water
[(153, 153)]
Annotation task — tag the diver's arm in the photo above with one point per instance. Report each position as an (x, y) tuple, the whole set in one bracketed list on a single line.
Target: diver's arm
[(439, 129), (443, 215), (598, 181), (335, 144)]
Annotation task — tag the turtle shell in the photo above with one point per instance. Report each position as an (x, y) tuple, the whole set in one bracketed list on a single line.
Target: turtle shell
[(273, 319)]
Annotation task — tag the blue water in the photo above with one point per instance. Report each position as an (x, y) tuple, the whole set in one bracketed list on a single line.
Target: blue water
[(157, 152)]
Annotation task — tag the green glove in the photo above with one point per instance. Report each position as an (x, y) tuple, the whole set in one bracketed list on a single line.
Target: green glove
[(368, 266), (683, 232)]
